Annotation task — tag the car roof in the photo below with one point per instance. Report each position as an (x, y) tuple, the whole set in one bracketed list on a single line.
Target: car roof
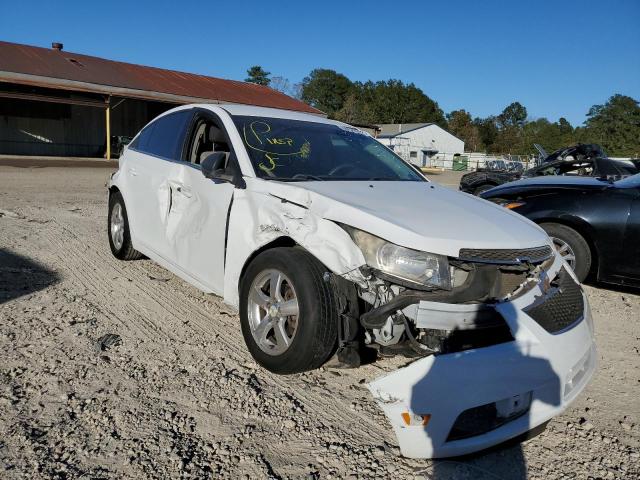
[(253, 111)]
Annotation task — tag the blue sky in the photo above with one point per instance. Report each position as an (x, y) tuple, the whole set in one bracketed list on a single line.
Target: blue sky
[(556, 57)]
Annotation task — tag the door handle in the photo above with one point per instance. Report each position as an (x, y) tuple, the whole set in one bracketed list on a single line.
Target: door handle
[(133, 172)]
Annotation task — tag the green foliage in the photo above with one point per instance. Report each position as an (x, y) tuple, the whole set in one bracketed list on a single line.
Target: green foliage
[(462, 126), (326, 90), (257, 74), (355, 110), (615, 125), (392, 101), (488, 130), (514, 115), (389, 101)]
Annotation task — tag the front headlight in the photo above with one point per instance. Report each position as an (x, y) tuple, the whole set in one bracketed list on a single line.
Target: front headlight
[(402, 263)]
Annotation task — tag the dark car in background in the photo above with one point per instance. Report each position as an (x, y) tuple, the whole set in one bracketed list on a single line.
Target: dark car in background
[(581, 160), (593, 222)]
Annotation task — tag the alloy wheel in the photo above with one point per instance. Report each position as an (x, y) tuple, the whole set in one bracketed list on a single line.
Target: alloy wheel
[(273, 311)]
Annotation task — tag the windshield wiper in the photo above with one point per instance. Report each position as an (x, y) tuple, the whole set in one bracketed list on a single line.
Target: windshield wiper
[(300, 177)]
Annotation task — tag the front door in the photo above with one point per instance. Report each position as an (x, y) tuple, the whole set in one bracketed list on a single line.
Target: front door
[(631, 247), (197, 221)]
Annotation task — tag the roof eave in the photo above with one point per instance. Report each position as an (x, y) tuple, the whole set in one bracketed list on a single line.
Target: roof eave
[(78, 86)]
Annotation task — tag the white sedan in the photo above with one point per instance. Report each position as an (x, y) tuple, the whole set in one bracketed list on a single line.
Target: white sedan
[(333, 247)]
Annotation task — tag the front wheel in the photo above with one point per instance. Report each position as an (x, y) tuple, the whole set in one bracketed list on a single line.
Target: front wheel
[(287, 311), (571, 246)]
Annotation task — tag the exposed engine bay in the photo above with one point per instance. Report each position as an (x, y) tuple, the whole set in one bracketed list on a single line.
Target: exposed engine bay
[(400, 319)]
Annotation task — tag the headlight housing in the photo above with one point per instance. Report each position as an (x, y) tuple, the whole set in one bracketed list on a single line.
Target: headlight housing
[(400, 263)]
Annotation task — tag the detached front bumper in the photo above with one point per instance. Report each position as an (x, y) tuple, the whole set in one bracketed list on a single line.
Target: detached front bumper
[(549, 368)]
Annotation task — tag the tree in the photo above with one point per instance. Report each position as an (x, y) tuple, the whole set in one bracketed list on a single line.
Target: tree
[(461, 125), (283, 85), (615, 125), (488, 130), (514, 115), (326, 90), (280, 84), (354, 110), (394, 102), (257, 74)]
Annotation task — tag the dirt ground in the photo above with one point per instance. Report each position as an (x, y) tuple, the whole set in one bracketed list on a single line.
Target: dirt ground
[(180, 396)]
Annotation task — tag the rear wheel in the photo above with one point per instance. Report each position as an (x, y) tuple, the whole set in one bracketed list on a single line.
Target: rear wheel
[(287, 311), (571, 246), (118, 229)]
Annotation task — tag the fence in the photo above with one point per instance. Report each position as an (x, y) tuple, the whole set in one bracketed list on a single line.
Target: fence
[(473, 161)]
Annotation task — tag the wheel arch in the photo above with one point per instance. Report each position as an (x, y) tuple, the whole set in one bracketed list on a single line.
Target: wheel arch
[(583, 228), (282, 241)]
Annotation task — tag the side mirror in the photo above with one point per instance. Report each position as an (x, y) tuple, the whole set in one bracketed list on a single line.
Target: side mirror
[(213, 166)]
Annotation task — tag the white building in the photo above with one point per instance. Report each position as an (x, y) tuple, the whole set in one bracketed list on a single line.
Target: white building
[(423, 144)]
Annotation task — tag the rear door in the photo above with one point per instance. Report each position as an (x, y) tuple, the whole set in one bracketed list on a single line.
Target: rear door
[(151, 163)]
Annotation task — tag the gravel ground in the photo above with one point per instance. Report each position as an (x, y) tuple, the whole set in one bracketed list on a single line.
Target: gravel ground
[(176, 394)]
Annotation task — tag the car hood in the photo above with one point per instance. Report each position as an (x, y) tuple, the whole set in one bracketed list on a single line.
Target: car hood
[(549, 182), (419, 215)]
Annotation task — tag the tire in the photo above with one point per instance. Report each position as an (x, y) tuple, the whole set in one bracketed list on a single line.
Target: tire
[(577, 246), (314, 331), (482, 189), (120, 244)]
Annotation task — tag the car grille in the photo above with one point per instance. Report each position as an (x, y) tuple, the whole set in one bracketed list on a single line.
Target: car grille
[(562, 308), (506, 256), (478, 420)]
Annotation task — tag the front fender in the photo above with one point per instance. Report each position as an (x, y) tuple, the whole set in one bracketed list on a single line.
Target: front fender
[(257, 219)]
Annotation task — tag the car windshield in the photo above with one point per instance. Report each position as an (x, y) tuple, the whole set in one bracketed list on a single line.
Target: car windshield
[(293, 150)]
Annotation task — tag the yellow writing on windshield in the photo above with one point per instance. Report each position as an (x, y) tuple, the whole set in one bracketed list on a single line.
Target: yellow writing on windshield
[(280, 141), (258, 130)]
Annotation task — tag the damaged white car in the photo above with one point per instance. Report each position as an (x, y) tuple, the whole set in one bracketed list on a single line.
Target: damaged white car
[(329, 245)]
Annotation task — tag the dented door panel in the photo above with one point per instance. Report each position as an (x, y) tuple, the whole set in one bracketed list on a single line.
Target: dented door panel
[(196, 225), (149, 195)]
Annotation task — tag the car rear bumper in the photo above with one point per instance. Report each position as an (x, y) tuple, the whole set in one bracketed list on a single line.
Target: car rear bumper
[(550, 369)]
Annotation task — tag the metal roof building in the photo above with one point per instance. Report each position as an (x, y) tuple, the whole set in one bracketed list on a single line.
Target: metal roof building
[(421, 143), (54, 102)]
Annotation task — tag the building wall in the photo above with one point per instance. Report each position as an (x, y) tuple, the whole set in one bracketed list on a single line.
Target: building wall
[(39, 128), (55, 129), (431, 137)]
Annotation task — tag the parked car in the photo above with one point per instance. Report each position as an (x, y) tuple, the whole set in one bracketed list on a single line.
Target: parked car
[(307, 226), (594, 223), (581, 159)]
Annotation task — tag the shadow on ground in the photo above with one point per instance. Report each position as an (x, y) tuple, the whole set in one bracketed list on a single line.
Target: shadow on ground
[(21, 276), (506, 462)]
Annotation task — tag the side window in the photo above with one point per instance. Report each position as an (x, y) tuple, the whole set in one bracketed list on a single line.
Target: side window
[(207, 137), (165, 136)]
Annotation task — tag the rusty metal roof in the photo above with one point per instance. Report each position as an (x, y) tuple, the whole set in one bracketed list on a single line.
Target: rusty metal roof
[(28, 65)]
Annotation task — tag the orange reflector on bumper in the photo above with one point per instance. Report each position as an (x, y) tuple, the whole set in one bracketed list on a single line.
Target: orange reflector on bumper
[(513, 205), (411, 419)]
